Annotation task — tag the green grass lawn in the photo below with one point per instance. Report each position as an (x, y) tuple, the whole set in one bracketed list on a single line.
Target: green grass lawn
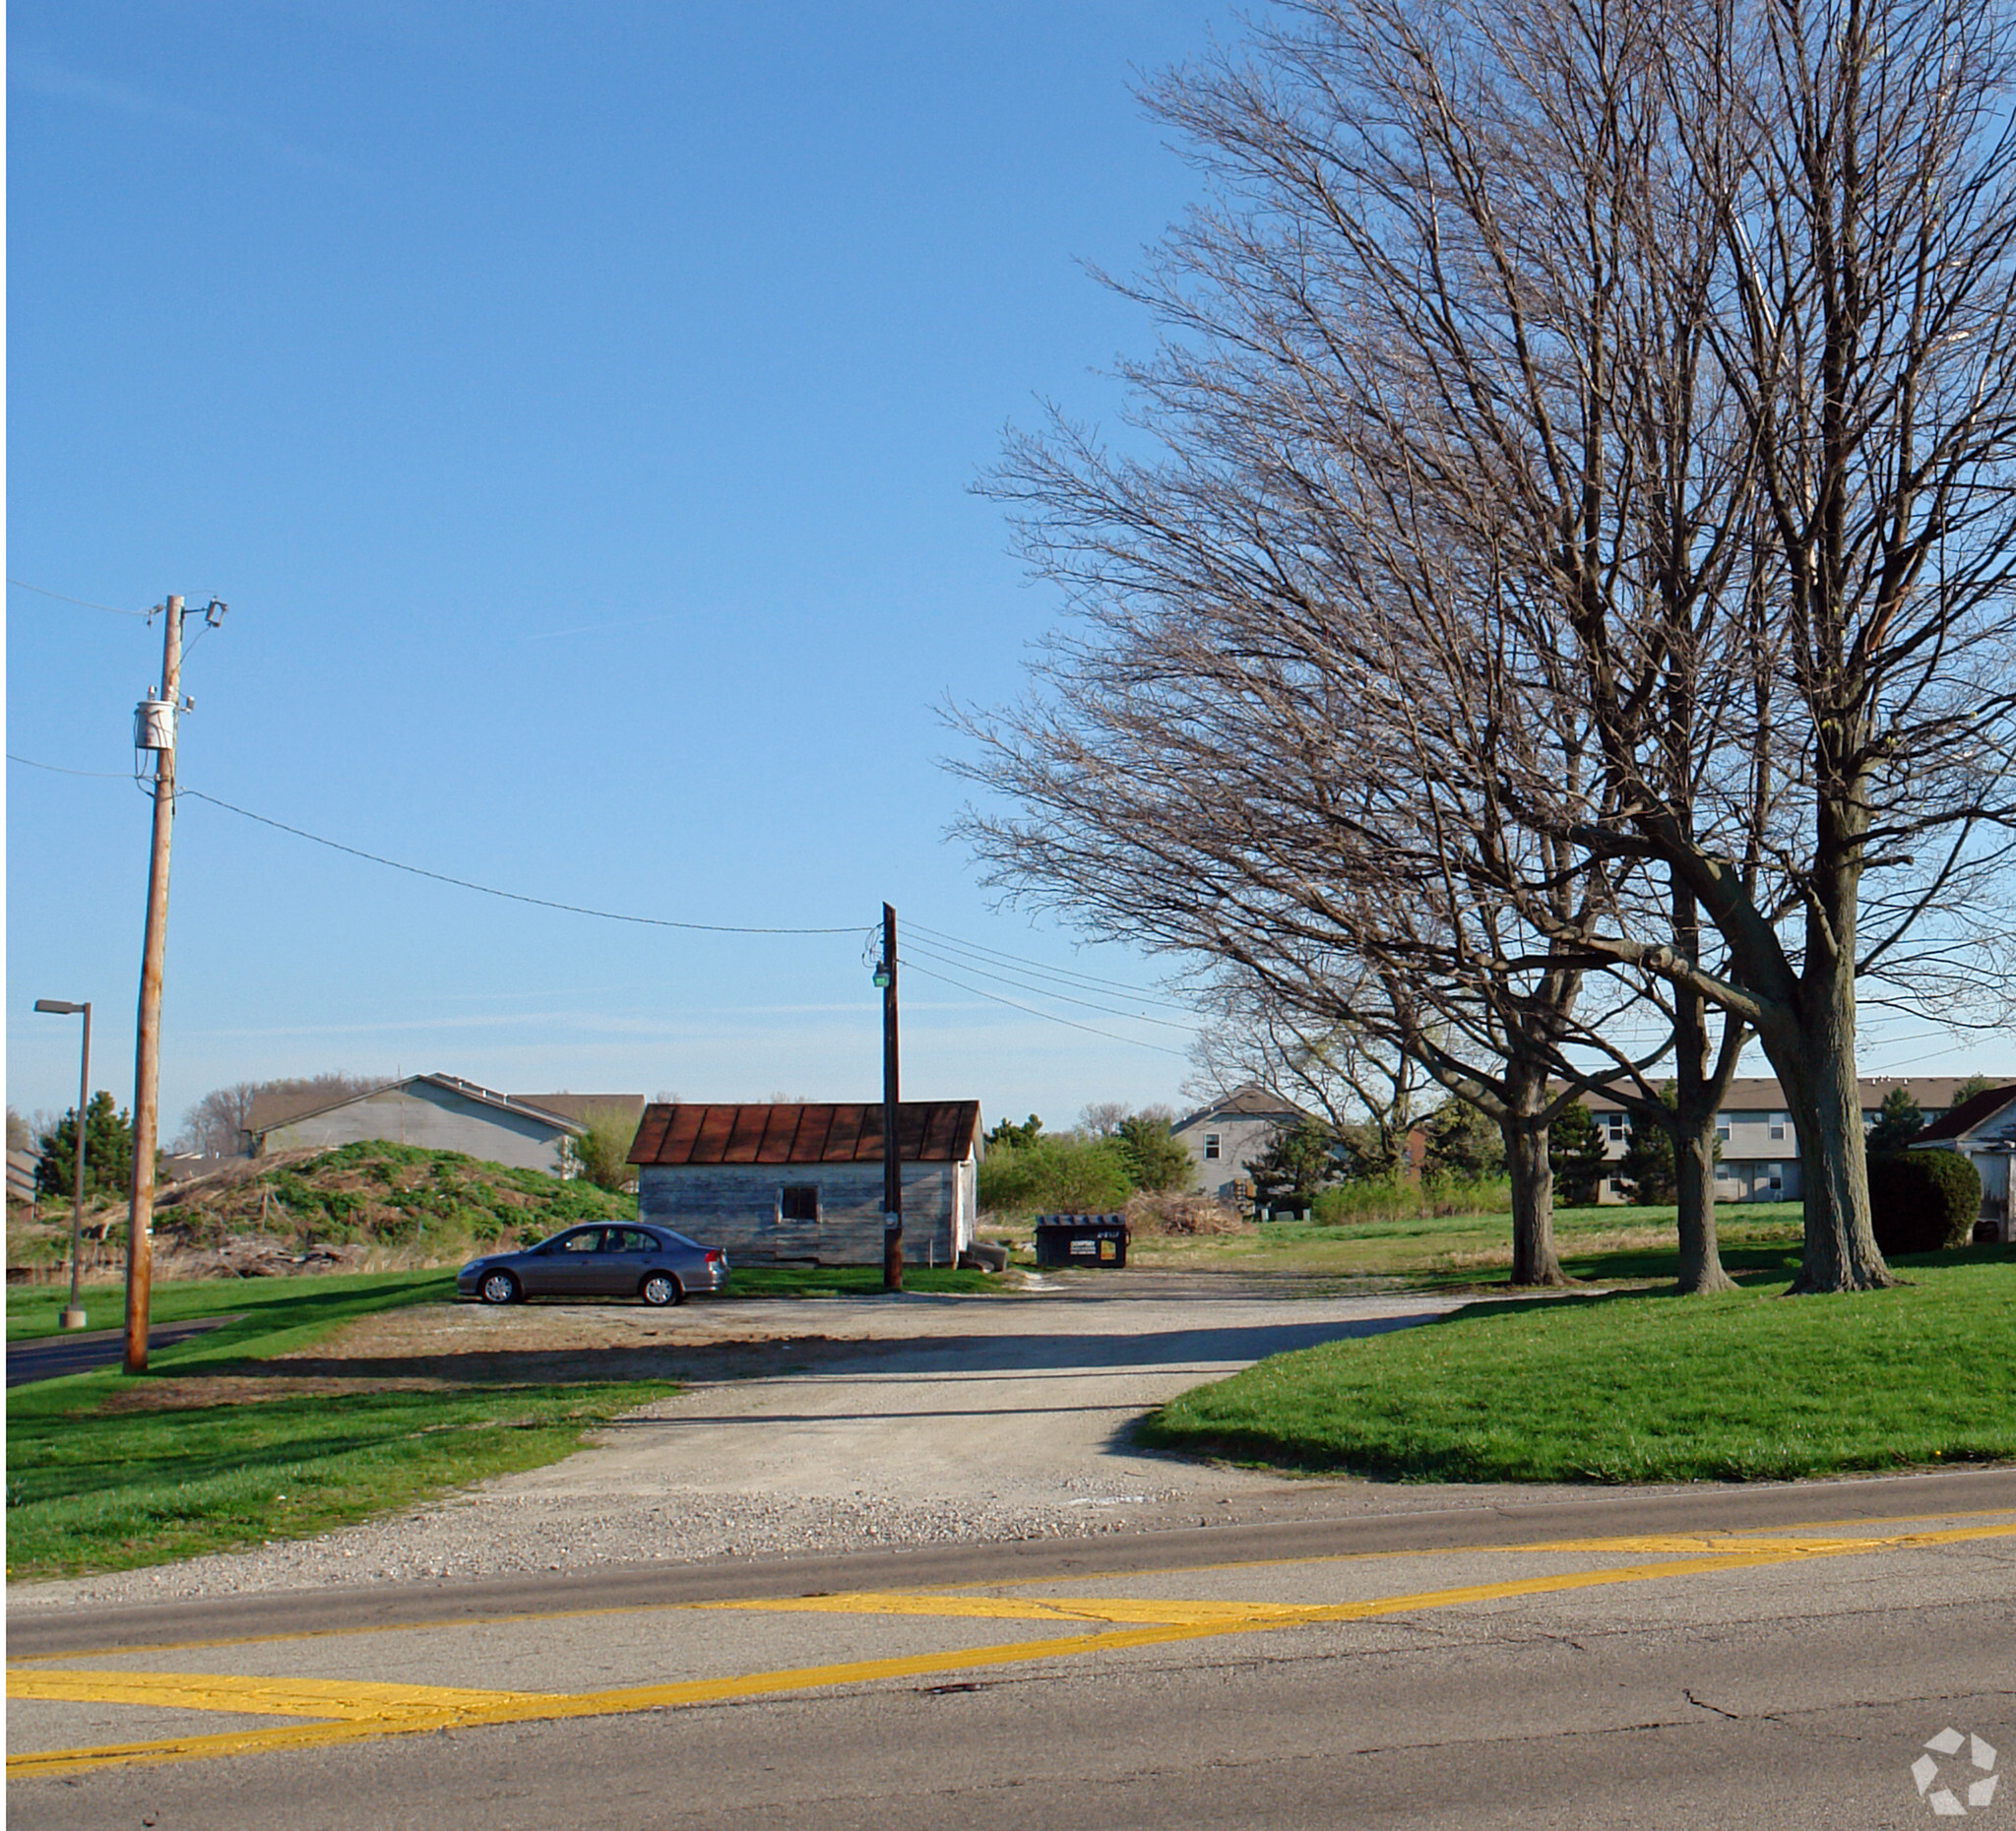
[(1608, 1243), (93, 1486), (32, 1310), (1642, 1386), (92, 1491)]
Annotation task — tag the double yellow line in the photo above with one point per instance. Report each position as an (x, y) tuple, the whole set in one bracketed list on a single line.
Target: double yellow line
[(354, 1710)]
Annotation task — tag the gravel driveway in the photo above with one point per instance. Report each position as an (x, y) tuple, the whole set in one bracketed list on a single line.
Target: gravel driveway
[(815, 1424)]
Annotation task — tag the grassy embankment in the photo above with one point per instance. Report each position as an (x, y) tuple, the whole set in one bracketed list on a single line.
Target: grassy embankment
[(1643, 1386)]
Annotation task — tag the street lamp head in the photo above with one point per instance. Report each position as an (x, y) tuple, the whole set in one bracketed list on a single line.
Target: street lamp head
[(58, 1007)]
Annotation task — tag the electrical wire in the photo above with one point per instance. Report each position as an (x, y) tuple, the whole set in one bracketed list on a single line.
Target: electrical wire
[(57, 768), (1065, 975), (654, 921), (1047, 1016), (1043, 991), (489, 890), (145, 617)]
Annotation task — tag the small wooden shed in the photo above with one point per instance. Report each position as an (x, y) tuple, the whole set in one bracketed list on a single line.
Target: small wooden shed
[(804, 1181)]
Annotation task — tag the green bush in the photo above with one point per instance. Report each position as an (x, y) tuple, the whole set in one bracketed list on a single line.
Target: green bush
[(1923, 1201), (1056, 1176)]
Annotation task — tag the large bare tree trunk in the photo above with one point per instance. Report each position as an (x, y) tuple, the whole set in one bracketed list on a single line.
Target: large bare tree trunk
[(1697, 1098), (1525, 1128), (1816, 1068), (1701, 1273)]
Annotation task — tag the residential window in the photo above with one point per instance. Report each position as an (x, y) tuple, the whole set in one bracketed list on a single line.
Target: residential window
[(1779, 1121), (1614, 1125), (1212, 1152), (1721, 1130), (1774, 1176), (798, 1202)]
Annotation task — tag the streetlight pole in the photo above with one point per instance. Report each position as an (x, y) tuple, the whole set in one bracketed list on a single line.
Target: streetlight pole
[(74, 1316)]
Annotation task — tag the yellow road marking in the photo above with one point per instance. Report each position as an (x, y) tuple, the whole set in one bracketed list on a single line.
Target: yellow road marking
[(1185, 1611), (1621, 1544), (353, 1700), (521, 1707)]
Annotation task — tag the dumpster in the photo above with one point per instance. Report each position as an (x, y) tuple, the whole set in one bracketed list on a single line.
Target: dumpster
[(1081, 1240)]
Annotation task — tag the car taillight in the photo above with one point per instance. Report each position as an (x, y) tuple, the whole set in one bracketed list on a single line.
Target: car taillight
[(716, 1258)]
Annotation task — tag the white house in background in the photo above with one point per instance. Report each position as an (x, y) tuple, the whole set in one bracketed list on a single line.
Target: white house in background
[(439, 1111), (1226, 1137), (1760, 1150), (804, 1181), (1983, 1131)]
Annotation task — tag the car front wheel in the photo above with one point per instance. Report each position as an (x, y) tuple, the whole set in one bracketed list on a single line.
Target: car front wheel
[(660, 1289), (499, 1288)]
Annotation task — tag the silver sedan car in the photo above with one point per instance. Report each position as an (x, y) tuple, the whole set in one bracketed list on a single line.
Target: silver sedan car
[(649, 1262)]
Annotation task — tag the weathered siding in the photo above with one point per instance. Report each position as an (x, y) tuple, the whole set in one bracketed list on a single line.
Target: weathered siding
[(431, 1116), (1242, 1137), (736, 1206)]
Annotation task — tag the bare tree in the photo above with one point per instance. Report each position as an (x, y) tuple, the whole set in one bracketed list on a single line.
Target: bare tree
[(1362, 1085), (1587, 463)]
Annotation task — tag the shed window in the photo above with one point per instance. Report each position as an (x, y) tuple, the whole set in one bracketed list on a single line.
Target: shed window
[(798, 1201), (1211, 1148)]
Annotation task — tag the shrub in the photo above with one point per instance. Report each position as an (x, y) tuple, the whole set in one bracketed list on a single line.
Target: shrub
[(603, 1148), (1923, 1201), (1393, 1198), (1056, 1176)]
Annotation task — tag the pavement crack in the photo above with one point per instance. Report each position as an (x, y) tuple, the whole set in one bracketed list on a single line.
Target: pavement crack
[(1703, 1704)]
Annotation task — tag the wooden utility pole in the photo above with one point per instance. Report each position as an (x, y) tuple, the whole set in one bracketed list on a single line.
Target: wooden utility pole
[(891, 1161), (147, 1065)]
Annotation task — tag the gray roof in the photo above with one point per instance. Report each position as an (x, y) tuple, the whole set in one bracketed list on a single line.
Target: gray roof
[(1966, 1116), (261, 1123), (1251, 1102)]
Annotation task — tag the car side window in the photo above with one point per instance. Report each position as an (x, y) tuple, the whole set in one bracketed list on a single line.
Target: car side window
[(586, 1240), (629, 1239)]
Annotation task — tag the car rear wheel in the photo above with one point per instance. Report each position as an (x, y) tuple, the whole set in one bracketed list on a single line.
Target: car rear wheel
[(660, 1289), (499, 1288)]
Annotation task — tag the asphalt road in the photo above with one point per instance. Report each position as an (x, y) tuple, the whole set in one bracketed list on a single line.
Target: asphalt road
[(1757, 1656), (50, 1357)]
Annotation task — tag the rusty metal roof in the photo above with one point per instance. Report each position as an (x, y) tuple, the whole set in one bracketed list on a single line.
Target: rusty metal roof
[(927, 1131)]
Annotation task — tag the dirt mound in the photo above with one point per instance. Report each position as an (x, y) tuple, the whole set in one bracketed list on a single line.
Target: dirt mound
[(361, 1206)]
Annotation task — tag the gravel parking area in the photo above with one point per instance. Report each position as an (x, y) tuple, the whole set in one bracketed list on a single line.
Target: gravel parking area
[(809, 1425)]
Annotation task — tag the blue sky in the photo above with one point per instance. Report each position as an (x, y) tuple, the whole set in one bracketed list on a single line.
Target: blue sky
[(579, 408)]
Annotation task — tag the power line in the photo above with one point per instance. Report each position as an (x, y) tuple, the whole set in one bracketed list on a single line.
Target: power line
[(1045, 991), (1047, 1016), (57, 768), (40, 591), (1065, 973), (509, 895)]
